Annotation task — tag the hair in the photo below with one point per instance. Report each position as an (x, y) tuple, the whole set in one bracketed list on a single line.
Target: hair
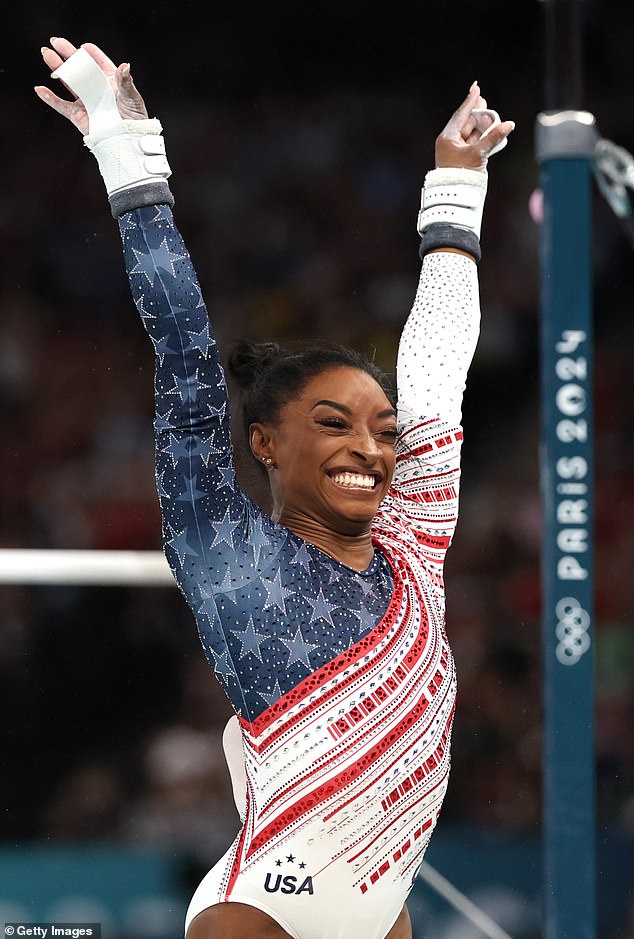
[(271, 376)]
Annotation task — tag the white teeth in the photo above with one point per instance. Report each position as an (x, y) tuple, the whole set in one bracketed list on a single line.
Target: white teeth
[(354, 480)]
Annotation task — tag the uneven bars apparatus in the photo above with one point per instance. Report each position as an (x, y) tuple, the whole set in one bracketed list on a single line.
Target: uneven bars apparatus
[(565, 142)]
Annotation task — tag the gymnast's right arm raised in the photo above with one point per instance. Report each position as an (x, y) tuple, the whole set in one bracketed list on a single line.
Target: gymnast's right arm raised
[(202, 505)]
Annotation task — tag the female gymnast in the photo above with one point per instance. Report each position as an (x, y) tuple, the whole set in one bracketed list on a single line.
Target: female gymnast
[(324, 622)]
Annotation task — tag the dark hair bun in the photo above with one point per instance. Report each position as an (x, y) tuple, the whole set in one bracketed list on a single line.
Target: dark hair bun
[(247, 359)]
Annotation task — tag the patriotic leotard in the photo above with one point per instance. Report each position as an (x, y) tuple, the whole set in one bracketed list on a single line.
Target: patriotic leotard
[(343, 681)]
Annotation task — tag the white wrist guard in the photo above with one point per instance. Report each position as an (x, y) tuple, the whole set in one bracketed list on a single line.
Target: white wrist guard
[(130, 153), (453, 196)]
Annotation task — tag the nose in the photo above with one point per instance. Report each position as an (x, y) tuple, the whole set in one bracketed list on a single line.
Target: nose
[(366, 447)]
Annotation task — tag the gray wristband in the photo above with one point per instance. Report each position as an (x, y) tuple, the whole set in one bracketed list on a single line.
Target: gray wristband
[(450, 236), (152, 193)]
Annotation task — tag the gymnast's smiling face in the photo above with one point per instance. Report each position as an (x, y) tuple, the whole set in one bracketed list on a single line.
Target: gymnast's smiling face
[(332, 452)]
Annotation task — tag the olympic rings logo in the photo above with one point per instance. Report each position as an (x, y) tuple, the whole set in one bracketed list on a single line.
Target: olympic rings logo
[(572, 631)]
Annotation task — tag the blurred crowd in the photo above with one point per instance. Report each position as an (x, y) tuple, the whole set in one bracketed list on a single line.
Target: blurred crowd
[(299, 208)]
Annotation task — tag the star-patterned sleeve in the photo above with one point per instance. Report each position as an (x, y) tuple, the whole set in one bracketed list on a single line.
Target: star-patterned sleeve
[(435, 351), (205, 514)]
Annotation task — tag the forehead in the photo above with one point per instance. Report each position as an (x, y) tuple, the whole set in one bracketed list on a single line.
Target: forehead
[(351, 387)]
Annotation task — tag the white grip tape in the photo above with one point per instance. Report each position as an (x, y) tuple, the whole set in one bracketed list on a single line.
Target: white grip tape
[(129, 152), (479, 113), (86, 80), (453, 196)]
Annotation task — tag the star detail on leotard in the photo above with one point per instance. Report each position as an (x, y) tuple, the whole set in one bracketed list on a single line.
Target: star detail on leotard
[(366, 585), (160, 486), (162, 422), (226, 584), (257, 538), (322, 609), (127, 224), (164, 258), (143, 313), (178, 449), (275, 593), (144, 266), (224, 530), (250, 640), (162, 213), (204, 448), (180, 545), (302, 557), (162, 347), (208, 605), (216, 414), (226, 475), (201, 341), (186, 388), (334, 576), (222, 665), (299, 649)]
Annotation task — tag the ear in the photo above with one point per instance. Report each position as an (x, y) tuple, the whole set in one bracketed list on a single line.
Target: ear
[(261, 442)]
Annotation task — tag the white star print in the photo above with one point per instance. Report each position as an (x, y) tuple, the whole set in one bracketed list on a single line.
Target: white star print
[(179, 544), (201, 341), (208, 605), (162, 422), (162, 214), (177, 449), (224, 530), (250, 640), (162, 347), (143, 313), (299, 649), (204, 448), (164, 258), (227, 476), (160, 487), (302, 557), (144, 266), (322, 609), (257, 538), (185, 388), (223, 665), (275, 593)]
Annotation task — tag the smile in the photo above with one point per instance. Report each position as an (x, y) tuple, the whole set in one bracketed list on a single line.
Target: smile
[(354, 480)]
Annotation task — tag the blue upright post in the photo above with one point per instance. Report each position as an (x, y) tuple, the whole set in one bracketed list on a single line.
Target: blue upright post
[(565, 141)]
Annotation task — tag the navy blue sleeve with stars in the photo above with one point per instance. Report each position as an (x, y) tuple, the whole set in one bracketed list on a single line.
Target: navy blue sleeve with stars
[(270, 608)]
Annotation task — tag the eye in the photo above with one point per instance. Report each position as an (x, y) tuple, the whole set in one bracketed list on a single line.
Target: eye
[(335, 422), (390, 433)]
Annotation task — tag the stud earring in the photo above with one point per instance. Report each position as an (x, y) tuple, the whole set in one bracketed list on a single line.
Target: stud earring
[(267, 460)]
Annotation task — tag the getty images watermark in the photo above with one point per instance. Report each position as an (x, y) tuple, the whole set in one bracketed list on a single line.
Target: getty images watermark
[(49, 930)]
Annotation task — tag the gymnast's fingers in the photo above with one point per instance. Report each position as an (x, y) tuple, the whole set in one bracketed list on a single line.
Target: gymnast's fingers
[(456, 123), (72, 110), (103, 61)]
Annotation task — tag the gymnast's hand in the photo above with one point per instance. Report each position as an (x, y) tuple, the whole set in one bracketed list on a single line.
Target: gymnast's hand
[(129, 101), (469, 138)]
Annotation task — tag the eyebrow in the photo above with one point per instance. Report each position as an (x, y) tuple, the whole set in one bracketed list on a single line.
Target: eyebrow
[(388, 412)]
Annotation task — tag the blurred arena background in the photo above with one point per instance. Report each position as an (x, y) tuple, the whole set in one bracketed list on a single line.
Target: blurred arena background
[(298, 135)]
